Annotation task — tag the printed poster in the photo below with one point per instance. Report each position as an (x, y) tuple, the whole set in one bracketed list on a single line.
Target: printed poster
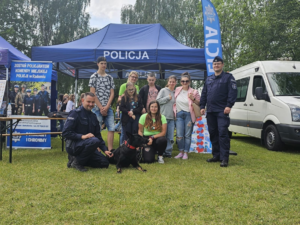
[(30, 96)]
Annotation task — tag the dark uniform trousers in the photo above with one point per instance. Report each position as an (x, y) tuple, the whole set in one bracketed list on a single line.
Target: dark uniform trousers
[(80, 122), (218, 124), (87, 154)]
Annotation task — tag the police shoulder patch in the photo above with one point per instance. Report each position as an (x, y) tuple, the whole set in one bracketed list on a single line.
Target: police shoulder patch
[(234, 86), (71, 118)]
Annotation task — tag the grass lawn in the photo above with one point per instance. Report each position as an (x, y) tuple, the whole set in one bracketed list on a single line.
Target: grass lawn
[(258, 187)]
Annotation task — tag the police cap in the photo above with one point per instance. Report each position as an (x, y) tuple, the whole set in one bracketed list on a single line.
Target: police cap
[(34, 89), (23, 86), (16, 86), (218, 59), (42, 85), (101, 58), (28, 90)]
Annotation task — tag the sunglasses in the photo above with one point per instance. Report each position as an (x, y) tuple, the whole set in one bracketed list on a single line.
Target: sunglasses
[(184, 81), (134, 77)]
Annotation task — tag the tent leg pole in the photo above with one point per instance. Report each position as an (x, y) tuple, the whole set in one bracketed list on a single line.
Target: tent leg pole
[(7, 88), (76, 87)]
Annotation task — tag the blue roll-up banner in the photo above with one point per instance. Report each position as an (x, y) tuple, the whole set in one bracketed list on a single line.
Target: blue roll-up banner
[(212, 35), (30, 97)]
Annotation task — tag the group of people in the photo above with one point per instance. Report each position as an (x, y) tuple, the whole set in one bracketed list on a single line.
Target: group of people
[(152, 112), (24, 102)]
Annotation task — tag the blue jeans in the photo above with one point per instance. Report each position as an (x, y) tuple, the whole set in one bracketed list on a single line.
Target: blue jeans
[(184, 129), (170, 136), (108, 120)]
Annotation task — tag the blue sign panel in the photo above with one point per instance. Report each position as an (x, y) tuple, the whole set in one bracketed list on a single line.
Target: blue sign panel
[(212, 35), (31, 71)]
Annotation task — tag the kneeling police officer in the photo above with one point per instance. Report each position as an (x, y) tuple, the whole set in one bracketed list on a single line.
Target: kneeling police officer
[(84, 139), (219, 95)]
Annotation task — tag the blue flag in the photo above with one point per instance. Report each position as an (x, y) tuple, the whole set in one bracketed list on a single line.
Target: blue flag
[(212, 35)]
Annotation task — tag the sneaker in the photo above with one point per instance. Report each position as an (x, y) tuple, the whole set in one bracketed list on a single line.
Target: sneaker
[(179, 156), (160, 159), (185, 156)]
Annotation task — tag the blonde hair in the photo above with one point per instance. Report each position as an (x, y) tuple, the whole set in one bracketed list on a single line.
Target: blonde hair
[(133, 72)]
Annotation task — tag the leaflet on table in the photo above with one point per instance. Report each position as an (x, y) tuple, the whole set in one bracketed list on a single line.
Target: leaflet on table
[(32, 141)]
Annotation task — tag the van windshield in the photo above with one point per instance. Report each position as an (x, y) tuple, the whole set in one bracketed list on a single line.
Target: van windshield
[(284, 84)]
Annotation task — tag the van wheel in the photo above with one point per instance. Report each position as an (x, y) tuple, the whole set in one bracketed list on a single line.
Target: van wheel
[(230, 134), (272, 138)]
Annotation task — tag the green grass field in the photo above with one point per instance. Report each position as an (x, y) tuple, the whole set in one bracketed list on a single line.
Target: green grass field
[(258, 187)]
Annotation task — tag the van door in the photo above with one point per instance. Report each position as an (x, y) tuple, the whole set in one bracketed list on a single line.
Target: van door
[(258, 109), (239, 112)]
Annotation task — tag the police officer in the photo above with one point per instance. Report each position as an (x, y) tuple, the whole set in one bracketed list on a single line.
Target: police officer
[(37, 102), (12, 98), (28, 105), (84, 139), (19, 99), (218, 95), (45, 101)]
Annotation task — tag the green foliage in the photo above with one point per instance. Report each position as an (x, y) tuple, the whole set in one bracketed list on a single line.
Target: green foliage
[(16, 24), (258, 187), (251, 30), (177, 16)]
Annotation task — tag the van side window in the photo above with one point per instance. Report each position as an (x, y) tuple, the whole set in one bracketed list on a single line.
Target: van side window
[(258, 81), (242, 88)]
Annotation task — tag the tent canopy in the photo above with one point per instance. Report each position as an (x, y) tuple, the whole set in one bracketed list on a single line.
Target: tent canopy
[(125, 46), (9, 53)]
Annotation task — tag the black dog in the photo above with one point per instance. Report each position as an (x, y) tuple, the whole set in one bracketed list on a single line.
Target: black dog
[(126, 154)]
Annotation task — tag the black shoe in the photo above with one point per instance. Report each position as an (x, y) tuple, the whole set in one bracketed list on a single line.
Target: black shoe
[(224, 163), (213, 159), (167, 156), (71, 159), (77, 166)]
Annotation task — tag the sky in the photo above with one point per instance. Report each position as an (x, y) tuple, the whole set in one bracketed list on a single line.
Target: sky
[(104, 12)]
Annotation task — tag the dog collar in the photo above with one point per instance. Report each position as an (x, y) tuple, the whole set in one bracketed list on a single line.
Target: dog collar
[(129, 146)]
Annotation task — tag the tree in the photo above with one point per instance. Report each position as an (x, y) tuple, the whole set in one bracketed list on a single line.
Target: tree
[(17, 24), (177, 16)]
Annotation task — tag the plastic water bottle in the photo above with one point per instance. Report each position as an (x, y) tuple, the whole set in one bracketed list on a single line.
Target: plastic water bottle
[(9, 110)]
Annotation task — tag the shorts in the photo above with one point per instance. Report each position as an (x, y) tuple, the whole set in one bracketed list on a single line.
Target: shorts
[(108, 120)]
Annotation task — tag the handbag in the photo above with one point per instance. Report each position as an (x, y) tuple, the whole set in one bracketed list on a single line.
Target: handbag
[(196, 109)]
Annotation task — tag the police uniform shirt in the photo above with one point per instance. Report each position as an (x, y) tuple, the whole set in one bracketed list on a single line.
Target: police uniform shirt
[(37, 102), (44, 97), (28, 101), (12, 96), (219, 92), (81, 122)]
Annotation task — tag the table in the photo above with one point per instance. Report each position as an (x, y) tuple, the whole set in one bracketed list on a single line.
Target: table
[(19, 118)]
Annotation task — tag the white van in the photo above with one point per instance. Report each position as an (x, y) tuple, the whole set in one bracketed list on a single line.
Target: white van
[(268, 103)]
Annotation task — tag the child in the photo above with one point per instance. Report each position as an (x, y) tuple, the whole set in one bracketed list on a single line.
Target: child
[(131, 107)]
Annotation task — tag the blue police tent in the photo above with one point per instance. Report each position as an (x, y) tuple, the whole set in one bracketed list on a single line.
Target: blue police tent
[(126, 46), (8, 53)]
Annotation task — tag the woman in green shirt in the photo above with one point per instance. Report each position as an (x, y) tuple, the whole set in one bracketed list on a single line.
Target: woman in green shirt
[(153, 125)]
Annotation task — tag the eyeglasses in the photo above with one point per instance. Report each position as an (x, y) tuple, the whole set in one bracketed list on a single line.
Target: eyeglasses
[(134, 77), (130, 89), (184, 81)]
